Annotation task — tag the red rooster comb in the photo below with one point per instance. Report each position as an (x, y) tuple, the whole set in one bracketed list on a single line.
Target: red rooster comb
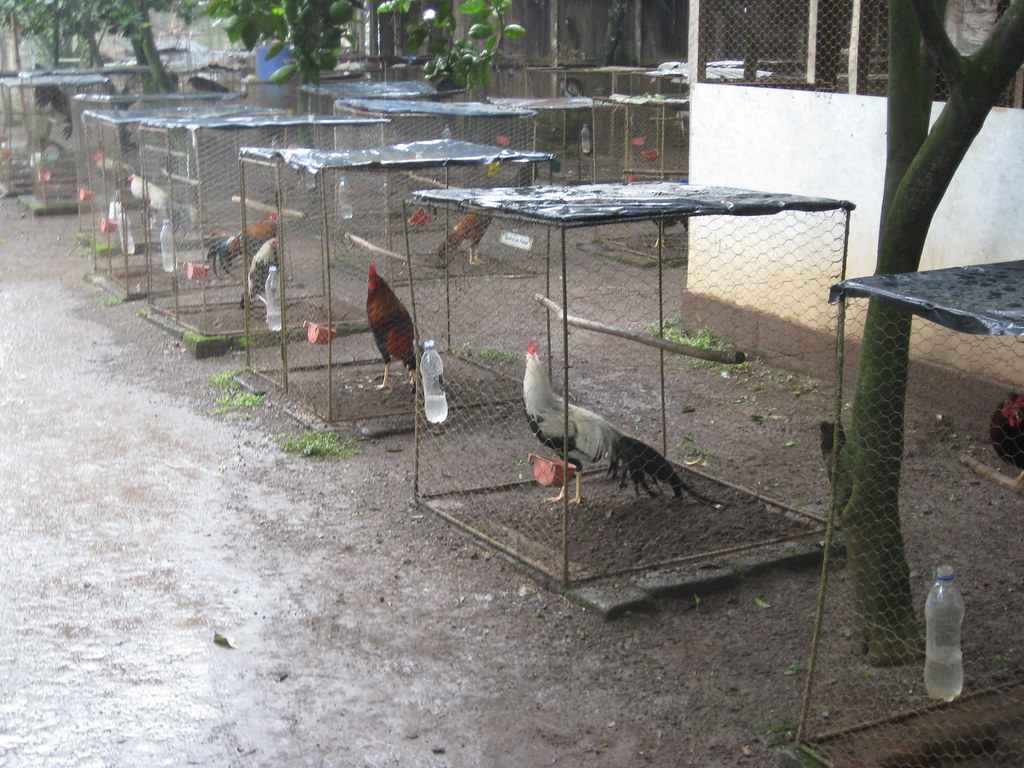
[(373, 270), (531, 348), (1013, 409)]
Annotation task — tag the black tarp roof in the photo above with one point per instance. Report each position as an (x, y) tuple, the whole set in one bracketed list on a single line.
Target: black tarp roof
[(33, 79), (414, 154), (116, 100), (609, 203), (135, 116), (423, 107), (369, 89), (981, 299), (255, 120)]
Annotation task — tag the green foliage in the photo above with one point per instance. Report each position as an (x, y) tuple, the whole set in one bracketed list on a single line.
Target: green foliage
[(318, 443), (458, 62), (314, 30), (233, 397)]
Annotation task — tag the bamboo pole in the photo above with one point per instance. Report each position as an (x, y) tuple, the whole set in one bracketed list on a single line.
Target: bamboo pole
[(268, 208), (1013, 485), (715, 355)]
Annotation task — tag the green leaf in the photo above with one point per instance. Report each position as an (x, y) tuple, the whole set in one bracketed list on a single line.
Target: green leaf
[(283, 74), (250, 33), (762, 603), (474, 6), (481, 31), (342, 12)]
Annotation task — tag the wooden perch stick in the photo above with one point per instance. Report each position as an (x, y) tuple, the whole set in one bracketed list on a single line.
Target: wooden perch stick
[(1014, 485), (258, 206), (425, 180), (373, 248), (718, 356)]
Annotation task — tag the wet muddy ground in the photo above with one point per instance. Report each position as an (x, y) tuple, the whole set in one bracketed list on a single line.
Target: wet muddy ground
[(138, 525)]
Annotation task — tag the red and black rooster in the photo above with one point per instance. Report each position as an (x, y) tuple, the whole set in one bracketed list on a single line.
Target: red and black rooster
[(391, 325), (1006, 430)]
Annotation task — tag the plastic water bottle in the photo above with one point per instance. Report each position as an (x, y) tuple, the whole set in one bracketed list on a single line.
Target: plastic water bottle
[(345, 209), (586, 147), (272, 293), (167, 246), (943, 614), (446, 132), (435, 402), (118, 215)]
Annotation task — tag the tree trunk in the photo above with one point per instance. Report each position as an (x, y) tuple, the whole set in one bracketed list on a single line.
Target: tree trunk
[(159, 79), (616, 17), (919, 168)]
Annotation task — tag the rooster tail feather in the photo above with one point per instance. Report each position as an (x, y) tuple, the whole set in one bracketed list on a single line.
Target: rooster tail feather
[(638, 461)]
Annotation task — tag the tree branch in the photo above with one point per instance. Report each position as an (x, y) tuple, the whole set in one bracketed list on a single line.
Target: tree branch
[(933, 33)]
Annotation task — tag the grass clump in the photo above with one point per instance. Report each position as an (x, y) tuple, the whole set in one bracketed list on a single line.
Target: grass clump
[(232, 397), (675, 331), (318, 443)]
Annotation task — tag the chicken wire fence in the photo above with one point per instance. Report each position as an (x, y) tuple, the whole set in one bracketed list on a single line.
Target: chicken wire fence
[(338, 213), (602, 273), (597, 82), (938, 475), (119, 102), (196, 160), (793, 43), (37, 148), (570, 128), (113, 207), (642, 138), (474, 122)]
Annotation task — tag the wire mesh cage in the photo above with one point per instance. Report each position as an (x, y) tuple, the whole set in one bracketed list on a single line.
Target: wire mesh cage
[(474, 122), (869, 699), (646, 138), (338, 213), (37, 150), (603, 271), (196, 160), (839, 47), (113, 193), (87, 138), (592, 82), (320, 98), (574, 130)]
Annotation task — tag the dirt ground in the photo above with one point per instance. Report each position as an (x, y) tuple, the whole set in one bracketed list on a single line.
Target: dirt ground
[(139, 525)]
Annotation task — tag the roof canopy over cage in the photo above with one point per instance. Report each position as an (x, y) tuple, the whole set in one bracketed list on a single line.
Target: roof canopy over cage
[(443, 108), (253, 119), (610, 203), (369, 89), (119, 100), (187, 114), (983, 299), (72, 79), (429, 153), (544, 104)]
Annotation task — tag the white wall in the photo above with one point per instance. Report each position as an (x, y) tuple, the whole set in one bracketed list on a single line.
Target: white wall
[(833, 145)]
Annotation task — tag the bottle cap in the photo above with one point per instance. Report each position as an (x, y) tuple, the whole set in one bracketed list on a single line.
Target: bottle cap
[(167, 221), (273, 268), (944, 573), (428, 344)]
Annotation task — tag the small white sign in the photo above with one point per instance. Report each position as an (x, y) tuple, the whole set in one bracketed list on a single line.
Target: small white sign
[(516, 240)]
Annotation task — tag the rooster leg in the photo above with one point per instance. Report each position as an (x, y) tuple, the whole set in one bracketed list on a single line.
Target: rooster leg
[(384, 384), (1019, 484), (579, 491), (474, 254)]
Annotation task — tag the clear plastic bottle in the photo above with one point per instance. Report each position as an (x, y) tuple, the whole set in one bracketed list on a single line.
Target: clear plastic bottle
[(167, 246), (586, 147), (446, 132), (345, 209), (943, 613), (124, 227), (435, 402), (272, 293)]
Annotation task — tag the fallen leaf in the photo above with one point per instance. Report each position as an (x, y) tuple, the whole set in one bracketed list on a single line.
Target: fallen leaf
[(224, 640), (762, 603)]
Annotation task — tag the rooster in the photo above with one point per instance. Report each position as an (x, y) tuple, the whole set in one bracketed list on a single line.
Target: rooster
[(592, 439), (158, 201), (1006, 430), (470, 228), (223, 252), (391, 325), (259, 268), (110, 165)]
